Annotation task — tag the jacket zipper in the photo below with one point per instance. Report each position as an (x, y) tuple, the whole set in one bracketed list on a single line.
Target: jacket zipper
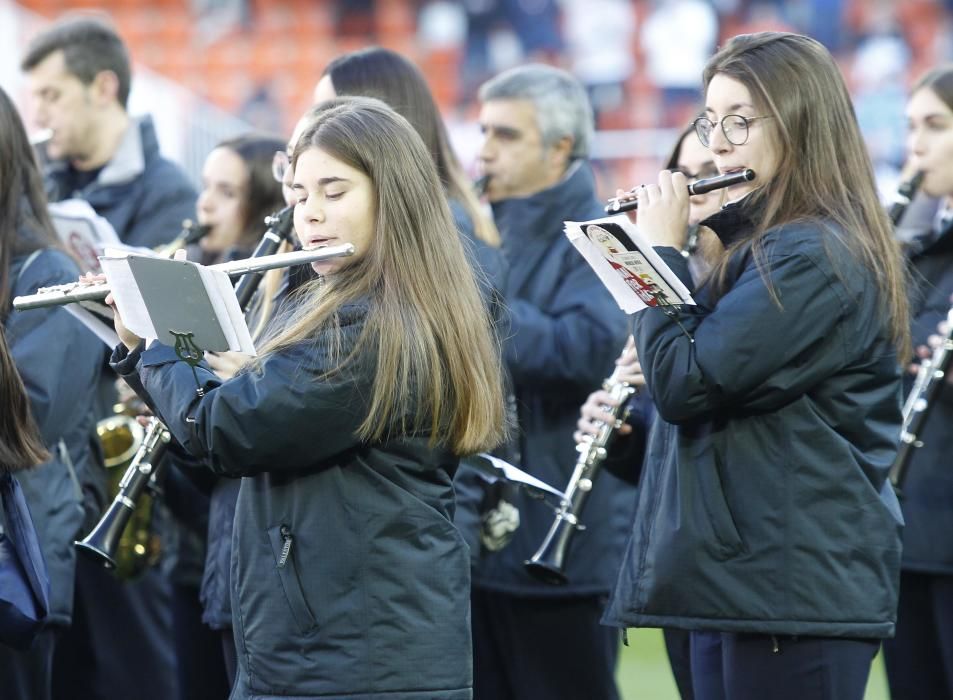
[(286, 548)]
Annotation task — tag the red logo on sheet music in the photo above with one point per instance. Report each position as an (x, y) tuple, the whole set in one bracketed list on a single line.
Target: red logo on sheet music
[(616, 255)]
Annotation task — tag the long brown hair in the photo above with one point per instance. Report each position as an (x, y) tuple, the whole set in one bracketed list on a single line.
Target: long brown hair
[(437, 358), (824, 171), (20, 444), (393, 79), (25, 224)]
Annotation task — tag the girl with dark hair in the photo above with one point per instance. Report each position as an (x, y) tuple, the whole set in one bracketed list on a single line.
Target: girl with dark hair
[(919, 658), (238, 192), (388, 76), (59, 362), (349, 578), (766, 524)]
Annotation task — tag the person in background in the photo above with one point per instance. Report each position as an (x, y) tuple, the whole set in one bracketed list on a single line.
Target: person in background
[(390, 77), (563, 329), (919, 659), (79, 76), (238, 192)]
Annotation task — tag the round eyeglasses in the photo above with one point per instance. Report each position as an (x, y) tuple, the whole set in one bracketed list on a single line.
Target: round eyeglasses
[(280, 163), (733, 126)]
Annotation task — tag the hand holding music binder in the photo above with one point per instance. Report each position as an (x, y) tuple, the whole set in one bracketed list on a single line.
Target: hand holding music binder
[(172, 300), (627, 264)]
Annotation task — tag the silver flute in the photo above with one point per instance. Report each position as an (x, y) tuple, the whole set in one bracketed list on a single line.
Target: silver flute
[(76, 292)]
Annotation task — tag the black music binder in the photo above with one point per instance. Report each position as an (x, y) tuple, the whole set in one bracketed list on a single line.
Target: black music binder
[(175, 299)]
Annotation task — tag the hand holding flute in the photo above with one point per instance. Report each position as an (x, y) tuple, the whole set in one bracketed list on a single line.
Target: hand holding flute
[(664, 207), (628, 201)]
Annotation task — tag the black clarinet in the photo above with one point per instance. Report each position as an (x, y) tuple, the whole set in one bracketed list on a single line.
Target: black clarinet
[(629, 201), (279, 227), (548, 564), (921, 399), (147, 465), (905, 195)]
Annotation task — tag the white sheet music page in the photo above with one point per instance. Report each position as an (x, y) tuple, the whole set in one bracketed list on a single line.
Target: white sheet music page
[(125, 291), (229, 313), (626, 263)]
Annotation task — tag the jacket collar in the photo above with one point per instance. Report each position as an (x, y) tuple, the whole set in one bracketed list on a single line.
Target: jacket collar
[(138, 146), (528, 225), (541, 215), (734, 221)]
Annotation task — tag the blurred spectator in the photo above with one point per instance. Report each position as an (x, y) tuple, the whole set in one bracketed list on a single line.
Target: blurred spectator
[(678, 38), (534, 24), (599, 37), (262, 110), (880, 64)]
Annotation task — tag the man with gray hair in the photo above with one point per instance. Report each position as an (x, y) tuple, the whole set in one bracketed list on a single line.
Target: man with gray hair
[(533, 639)]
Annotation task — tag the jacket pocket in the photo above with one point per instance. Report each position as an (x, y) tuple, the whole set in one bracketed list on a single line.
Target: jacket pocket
[(727, 540), (282, 546)]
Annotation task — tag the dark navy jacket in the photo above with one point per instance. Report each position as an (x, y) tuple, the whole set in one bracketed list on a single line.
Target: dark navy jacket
[(144, 196), (564, 333), (764, 504), (488, 262), (60, 363), (349, 579), (927, 499)]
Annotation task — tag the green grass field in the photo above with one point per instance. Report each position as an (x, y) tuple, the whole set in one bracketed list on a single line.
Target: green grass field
[(644, 673)]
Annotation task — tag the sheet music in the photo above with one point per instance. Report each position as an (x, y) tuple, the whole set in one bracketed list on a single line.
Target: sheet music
[(129, 301), (627, 263), (84, 232), (517, 475), (164, 299), (222, 294)]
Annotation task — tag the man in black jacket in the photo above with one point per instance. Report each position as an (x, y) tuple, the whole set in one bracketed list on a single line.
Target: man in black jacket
[(532, 639)]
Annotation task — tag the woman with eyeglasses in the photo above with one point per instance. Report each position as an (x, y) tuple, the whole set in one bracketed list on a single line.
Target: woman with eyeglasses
[(919, 659), (766, 524)]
